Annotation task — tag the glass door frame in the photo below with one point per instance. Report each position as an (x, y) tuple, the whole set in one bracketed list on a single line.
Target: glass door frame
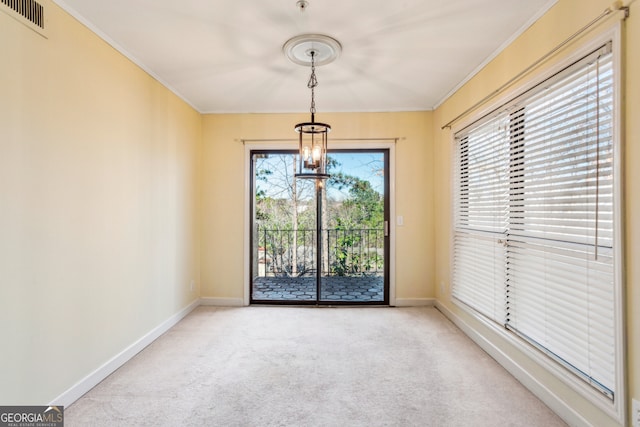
[(387, 151)]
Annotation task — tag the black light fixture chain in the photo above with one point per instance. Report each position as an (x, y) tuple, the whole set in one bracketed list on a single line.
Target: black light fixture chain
[(313, 82)]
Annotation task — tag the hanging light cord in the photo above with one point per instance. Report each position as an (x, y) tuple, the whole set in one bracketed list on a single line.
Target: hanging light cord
[(313, 82)]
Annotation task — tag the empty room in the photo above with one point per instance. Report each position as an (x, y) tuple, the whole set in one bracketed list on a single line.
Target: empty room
[(320, 213)]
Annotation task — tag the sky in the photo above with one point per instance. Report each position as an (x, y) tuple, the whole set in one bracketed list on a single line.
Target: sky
[(364, 165)]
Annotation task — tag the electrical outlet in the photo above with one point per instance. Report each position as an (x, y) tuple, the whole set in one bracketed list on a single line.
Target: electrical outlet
[(635, 413)]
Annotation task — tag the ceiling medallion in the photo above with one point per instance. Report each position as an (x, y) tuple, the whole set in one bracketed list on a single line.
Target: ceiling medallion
[(325, 49)]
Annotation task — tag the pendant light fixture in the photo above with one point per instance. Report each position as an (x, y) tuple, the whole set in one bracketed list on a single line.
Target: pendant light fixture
[(312, 137), (312, 49)]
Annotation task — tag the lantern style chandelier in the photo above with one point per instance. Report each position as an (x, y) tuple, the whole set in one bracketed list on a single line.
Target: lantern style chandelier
[(312, 137), (312, 49)]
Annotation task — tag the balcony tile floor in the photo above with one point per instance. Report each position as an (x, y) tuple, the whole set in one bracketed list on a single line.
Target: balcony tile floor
[(334, 289)]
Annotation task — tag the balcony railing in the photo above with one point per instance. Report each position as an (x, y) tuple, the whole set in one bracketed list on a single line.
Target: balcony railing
[(292, 253)]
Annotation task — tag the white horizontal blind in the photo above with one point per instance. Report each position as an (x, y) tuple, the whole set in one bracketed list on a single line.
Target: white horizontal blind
[(481, 200), (558, 269), (560, 256)]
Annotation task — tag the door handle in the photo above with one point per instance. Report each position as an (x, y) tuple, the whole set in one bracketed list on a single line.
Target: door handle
[(386, 229)]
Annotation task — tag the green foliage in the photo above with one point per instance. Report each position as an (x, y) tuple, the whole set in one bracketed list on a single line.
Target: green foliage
[(280, 201), (364, 208)]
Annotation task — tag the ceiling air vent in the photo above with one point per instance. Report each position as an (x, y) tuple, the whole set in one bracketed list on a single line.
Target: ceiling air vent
[(29, 12)]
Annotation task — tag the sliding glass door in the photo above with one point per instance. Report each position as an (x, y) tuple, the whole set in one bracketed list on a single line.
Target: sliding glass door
[(322, 242)]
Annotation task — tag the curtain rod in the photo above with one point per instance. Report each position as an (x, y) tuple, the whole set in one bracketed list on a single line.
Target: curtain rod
[(617, 6), (395, 139)]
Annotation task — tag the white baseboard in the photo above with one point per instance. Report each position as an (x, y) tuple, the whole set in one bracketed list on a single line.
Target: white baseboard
[(94, 378), (222, 302), (415, 302), (542, 392)]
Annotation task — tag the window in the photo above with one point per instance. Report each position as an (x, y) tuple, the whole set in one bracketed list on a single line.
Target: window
[(534, 218)]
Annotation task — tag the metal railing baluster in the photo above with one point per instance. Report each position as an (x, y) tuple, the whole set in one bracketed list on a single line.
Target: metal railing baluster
[(349, 252)]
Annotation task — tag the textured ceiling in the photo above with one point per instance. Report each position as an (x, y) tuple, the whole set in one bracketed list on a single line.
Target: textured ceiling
[(225, 56)]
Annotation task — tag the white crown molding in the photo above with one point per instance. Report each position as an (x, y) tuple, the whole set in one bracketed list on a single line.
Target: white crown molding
[(497, 52), (76, 15)]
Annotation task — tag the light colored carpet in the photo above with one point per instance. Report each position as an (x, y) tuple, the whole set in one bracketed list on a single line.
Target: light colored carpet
[(295, 366)]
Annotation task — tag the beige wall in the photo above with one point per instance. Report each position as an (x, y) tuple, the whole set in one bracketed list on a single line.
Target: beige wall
[(98, 206), (632, 195), (560, 22), (224, 192)]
